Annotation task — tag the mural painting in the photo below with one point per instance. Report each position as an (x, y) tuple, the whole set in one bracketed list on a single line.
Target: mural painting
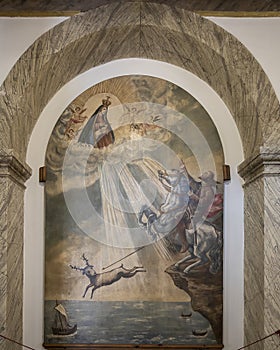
[(134, 213)]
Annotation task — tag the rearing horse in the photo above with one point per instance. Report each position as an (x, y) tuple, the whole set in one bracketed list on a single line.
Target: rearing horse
[(176, 182), (203, 242)]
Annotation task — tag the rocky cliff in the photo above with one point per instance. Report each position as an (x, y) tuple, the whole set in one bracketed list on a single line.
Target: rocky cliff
[(205, 290)]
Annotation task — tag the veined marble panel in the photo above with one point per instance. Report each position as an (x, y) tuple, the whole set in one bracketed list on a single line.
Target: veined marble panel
[(136, 29), (262, 212), (14, 295), (3, 258), (254, 268), (271, 259), (12, 177)]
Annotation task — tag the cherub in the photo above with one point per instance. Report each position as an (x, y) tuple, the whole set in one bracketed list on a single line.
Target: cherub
[(77, 118)]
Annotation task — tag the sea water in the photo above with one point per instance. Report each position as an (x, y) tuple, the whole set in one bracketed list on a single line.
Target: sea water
[(119, 322)]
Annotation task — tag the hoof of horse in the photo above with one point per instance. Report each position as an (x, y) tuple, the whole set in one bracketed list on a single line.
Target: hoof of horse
[(142, 224)]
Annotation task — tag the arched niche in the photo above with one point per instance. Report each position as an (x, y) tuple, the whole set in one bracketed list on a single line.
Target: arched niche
[(34, 200), (169, 34)]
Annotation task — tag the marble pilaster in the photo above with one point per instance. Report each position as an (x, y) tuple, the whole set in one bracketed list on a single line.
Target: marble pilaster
[(261, 258), (13, 174)]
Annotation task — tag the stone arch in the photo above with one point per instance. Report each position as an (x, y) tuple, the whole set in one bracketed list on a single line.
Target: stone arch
[(148, 30), (154, 31)]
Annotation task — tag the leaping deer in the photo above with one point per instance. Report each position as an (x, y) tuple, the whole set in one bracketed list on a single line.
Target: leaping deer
[(98, 280)]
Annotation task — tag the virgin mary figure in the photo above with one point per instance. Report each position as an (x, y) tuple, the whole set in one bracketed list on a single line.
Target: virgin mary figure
[(97, 131)]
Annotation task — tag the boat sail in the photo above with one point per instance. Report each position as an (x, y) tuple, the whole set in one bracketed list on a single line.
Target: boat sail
[(61, 324)]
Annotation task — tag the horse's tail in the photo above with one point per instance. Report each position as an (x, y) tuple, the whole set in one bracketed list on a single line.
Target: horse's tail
[(216, 254)]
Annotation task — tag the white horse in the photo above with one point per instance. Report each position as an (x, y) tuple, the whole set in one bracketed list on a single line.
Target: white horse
[(203, 242), (171, 212)]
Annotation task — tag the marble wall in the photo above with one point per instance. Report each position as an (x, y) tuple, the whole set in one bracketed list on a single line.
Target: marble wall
[(13, 175), (173, 35), (262, 280), (139, 30)]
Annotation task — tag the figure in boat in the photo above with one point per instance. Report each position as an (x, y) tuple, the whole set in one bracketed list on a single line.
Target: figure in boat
[(61, 324), (97, 131)]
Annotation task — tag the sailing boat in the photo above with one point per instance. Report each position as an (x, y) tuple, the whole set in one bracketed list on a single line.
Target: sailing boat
[(61, 325)]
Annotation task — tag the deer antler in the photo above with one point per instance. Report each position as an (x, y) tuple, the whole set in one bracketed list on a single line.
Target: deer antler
[(83, 269), (86, 260), (76, 268)]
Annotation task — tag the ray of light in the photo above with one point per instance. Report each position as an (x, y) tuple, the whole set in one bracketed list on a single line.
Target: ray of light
[(118, 207)]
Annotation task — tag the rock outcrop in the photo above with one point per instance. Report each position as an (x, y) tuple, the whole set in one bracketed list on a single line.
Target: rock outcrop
[(205, 290)]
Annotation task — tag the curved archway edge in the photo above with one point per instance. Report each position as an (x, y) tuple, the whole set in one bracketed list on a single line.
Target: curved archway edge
[(147, 30), (176, 36)]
